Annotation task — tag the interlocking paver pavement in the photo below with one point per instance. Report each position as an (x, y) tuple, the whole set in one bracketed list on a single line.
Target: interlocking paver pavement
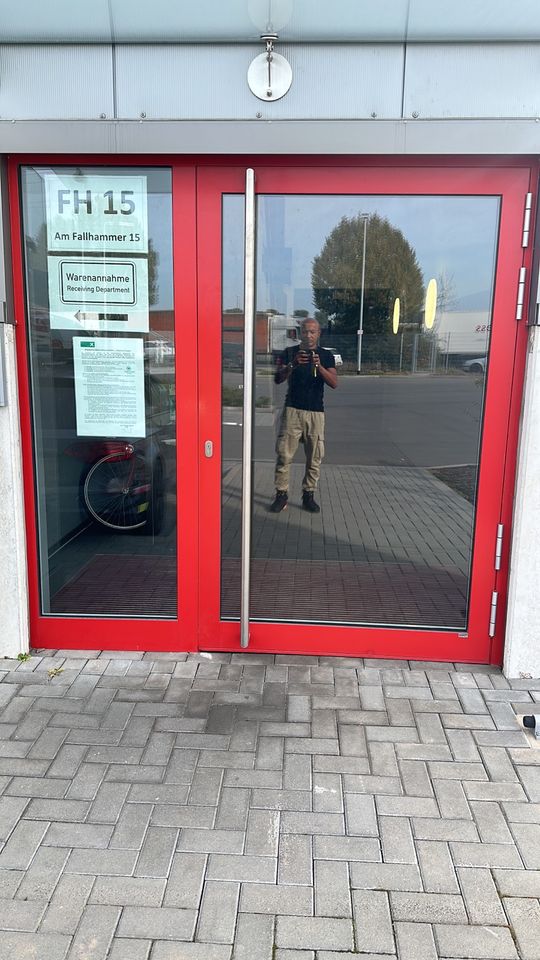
[(253, 807)]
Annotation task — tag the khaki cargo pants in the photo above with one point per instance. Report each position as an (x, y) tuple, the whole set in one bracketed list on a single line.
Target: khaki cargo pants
[(300, 426)]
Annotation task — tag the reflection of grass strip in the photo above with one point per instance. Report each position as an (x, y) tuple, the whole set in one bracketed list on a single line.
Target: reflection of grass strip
[(460, 479), (234, 397)]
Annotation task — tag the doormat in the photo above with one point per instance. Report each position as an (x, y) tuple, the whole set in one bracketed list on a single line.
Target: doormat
[(348, 592), (112, 585)]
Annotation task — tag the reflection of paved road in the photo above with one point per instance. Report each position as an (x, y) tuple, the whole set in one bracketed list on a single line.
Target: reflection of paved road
[(394, 420)]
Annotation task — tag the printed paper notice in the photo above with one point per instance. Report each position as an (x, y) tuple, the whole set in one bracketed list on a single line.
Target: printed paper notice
[(109, 386)]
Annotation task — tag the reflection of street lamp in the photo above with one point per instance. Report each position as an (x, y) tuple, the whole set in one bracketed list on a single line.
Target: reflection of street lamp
[(364, 217)]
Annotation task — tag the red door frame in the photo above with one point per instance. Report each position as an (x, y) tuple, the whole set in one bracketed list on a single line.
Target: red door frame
[(106, 633), (197, 285), (499, 435)]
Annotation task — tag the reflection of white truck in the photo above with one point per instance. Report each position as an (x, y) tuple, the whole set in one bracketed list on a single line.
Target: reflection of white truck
[(463, 333), (279, 332)]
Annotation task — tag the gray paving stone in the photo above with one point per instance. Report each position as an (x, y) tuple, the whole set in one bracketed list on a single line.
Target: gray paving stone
[(524, 917), (517, 883), (406, 807), (128, 891), (527, 838), (38, 946), (476, 790), (478, 943), (306, 955), (254, 938), (262, 835), (480, 896), (42, 875), (211, 841), (415, 941), (11, 811), (463, 745), (67, 904), (396, 840), (130, 829), (346, 848), (122, 949), (217, 915), (118, 863), (177, 815), (436, 866), (21, 915), (427, 907), (295, 865), (451, 799), (95, 932), (360, 815), (277, 899), (352, 765), (190, 951), (385, 876), (332, 889), (490, 821), (372, 922), (296, 800), (313, 823), (314, 933), (108, 803), (70, 811), (87, 835), (22, 845), (485, 855), (241, 868), (157, 923), (184, 887)]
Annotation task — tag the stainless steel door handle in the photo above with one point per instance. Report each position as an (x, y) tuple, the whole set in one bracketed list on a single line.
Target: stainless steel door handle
[(208, 448)]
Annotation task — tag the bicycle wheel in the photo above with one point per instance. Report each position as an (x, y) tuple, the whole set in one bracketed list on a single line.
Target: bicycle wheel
[(117, 493)]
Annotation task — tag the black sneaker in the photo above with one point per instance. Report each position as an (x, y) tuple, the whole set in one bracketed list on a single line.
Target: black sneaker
[(308, 502), (281, 501)]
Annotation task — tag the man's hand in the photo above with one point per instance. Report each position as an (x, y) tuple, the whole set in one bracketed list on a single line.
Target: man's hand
[(302, 357)]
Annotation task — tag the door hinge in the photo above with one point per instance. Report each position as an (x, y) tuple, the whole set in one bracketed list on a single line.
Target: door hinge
[(493, 613), (499, 545), (526, 220), (521, 292)]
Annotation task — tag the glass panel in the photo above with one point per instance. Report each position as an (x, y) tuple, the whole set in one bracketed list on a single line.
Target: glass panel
[(98, 259), (393, 460)]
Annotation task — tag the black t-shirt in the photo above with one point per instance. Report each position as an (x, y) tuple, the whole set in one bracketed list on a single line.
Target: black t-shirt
[(305, 392)]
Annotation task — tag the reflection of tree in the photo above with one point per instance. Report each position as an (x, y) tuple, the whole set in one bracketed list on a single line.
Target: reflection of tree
[(391, 271)]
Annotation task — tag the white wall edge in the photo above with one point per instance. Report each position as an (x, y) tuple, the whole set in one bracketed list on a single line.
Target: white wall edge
[(15, 632), (522, 642)]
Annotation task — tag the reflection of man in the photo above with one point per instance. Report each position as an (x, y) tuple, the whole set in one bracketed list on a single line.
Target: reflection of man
[(306, 368)]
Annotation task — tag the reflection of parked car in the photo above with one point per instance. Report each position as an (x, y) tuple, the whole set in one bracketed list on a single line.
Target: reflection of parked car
[(337, 356), (478, 365)]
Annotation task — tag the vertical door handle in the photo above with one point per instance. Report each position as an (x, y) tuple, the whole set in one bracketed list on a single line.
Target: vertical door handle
[(208, 448), (249, 322)]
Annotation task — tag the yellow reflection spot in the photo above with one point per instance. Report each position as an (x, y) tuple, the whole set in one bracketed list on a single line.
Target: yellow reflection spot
[(395, 318), (431, 304)]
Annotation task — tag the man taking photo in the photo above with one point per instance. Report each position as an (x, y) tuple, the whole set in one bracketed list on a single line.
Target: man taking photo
[(306, 367)]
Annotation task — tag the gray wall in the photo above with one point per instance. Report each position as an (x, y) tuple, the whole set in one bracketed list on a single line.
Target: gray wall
[(383, 97)]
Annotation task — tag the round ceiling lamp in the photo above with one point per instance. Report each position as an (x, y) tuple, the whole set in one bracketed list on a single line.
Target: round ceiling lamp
[(269, 75)]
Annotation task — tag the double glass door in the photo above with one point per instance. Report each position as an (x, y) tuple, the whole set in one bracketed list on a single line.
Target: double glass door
[(157, 419)]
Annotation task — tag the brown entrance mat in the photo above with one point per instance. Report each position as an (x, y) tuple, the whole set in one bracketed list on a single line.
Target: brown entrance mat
[(113, 585), (350, 592)]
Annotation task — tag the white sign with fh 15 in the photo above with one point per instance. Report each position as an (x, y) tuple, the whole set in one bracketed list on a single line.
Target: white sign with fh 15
[(96, 214)]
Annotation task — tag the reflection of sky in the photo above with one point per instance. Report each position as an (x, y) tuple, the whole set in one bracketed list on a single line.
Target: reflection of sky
[(452, 236)]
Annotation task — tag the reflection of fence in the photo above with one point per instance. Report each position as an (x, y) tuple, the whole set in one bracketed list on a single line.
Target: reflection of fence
[(406, 352)]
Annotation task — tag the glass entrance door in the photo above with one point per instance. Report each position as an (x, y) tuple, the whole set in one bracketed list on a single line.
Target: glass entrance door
[(384, 336)]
